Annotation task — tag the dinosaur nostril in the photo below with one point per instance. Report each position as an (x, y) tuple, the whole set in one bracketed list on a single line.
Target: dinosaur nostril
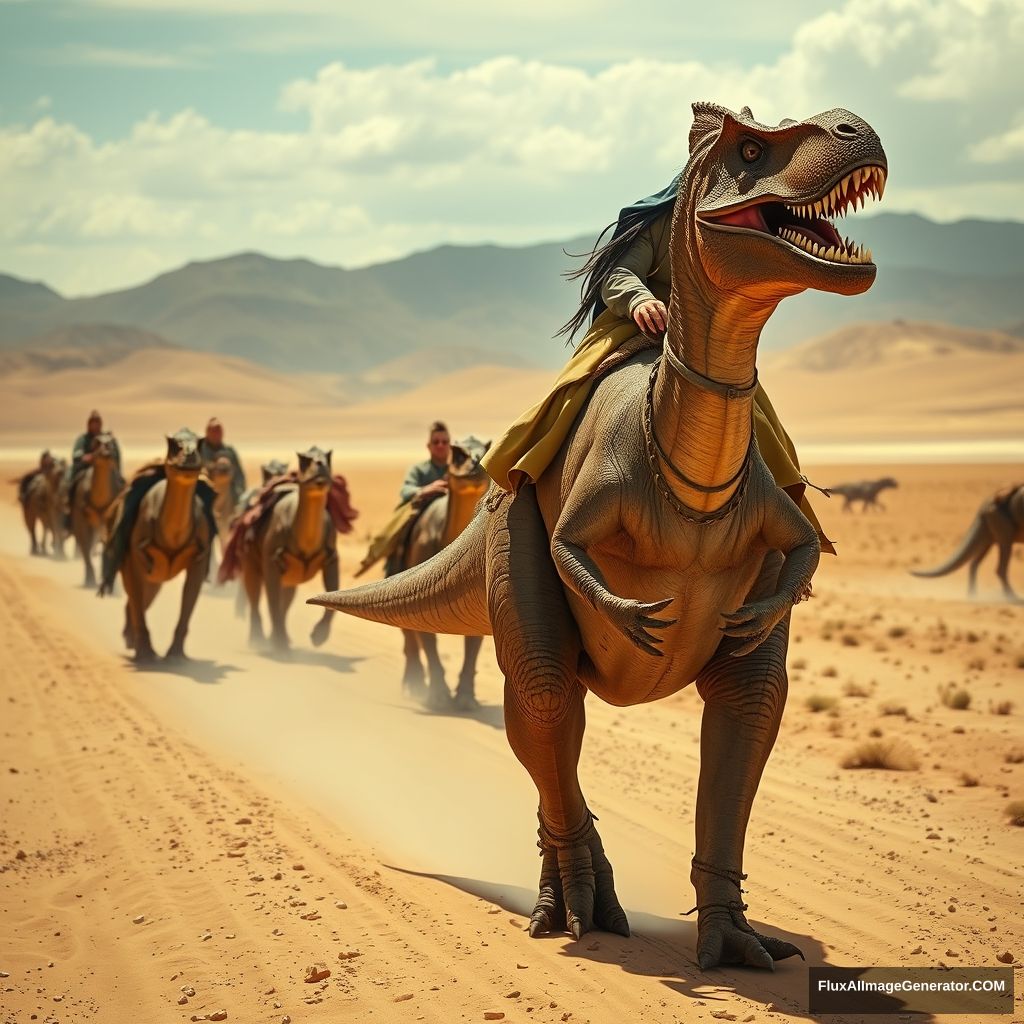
[(846, 131)]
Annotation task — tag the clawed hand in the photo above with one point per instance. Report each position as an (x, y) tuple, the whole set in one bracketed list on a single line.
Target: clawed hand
[(754, 621), (636, 618)]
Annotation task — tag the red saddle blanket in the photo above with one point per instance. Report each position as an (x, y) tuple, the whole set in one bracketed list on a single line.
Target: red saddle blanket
[(243, 529)]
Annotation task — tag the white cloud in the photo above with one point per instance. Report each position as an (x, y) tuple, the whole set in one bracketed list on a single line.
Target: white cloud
[(385, 159), (1002, 147), (119, 58)]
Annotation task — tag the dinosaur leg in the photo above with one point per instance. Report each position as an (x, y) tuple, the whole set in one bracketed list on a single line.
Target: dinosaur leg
[(253, 581), (413, 679), (322, 629), (88, 543), (279, 637), (194, 578), (275, 605), (438, 697), (135, 591), (1002, 569), (976, 560), (465, 694), (743, 702), (538, 648)]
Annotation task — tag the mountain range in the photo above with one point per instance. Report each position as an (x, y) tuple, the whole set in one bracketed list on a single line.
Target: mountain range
[(465, 305)]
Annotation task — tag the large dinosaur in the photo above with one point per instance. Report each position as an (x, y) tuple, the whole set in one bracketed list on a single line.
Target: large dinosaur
[(221, 473), (286, 539), (999, 521), (161, 526), (659, 497), (436, 527), (93, 493), (866, 491)]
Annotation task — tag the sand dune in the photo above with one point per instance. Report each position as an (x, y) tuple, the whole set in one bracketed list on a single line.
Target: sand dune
[(262, 816), (873, 383)]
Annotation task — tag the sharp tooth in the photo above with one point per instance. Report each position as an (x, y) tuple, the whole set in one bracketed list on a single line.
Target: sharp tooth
[(858, 176), (867, 256), (829, 253), (816, 249)]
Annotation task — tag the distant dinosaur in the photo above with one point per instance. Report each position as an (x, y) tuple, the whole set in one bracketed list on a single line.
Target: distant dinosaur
[(288, 535), (162, 525), (999, 521), (436, 527), (39, 493), (93, 491), (866, 491)]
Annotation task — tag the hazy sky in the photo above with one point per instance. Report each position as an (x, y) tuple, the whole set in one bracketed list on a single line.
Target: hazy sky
[(138, 134)]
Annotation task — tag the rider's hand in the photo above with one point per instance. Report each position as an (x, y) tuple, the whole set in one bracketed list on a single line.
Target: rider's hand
[(87, 457), (651, 317)]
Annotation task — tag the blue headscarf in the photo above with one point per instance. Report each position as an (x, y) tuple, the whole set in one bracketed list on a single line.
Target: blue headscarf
[(632, 220)]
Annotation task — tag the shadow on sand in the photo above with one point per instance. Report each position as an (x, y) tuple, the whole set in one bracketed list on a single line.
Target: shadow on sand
[(486, 714), (665, 948), (317, 659), (198, 670)]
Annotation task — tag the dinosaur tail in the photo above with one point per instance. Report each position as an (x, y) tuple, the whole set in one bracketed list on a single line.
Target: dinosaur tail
[(974, 545), (444, 594)]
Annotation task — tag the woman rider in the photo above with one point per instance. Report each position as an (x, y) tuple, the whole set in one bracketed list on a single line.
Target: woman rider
[(626, 289)]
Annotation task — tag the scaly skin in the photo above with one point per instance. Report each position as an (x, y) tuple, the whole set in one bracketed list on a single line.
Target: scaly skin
[(298, 532), (440, 523), (633, 573), (170, 535), (999, 521)]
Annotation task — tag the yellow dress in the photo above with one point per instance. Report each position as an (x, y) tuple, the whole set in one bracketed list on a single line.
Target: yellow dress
[(528, 447)]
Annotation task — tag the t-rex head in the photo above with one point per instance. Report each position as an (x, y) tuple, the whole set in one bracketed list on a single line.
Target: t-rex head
[(756, 202), (315, 468), (183, 452)]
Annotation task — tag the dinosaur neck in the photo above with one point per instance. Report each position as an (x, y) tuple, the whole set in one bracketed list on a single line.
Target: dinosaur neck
[(705, 435), (176, 523), (101, 490), (463, 496), (308, 528)]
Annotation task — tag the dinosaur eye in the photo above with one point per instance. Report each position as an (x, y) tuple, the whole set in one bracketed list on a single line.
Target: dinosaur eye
[(750, 150)]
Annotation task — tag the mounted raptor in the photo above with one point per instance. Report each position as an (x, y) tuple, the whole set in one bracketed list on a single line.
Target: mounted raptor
[(660, 498)]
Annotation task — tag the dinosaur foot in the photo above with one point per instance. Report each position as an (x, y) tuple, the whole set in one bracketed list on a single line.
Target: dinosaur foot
[(437, 698), (577, 890), (725, 937), (176, 653), (144, 655), (465, 700)]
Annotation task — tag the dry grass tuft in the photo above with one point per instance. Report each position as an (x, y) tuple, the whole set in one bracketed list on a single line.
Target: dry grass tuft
[(890, 755)]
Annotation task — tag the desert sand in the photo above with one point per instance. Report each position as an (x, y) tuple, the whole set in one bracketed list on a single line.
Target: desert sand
[(179, 843)]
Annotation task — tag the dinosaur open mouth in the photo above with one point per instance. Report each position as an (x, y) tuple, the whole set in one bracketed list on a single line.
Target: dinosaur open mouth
[(807, 226)]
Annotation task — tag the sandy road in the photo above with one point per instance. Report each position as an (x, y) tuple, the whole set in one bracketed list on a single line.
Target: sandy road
[(131, 790)]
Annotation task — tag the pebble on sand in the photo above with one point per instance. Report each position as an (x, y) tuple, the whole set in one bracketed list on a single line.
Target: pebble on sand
[(315, 973), (341, 905), (403, 998), (1006, 957), (139, 919), (494, 1015), (182, 1000)]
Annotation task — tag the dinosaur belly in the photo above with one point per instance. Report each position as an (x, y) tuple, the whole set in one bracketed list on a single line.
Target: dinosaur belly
[(295, 569), (164, 566)]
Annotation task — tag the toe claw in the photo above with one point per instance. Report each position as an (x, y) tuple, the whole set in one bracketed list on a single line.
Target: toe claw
[(536, 928), (576, 927)]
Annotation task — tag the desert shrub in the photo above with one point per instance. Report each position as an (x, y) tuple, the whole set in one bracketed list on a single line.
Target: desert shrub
[(891, 755), (1015, 756), (1015, 812), (956, 698), (967, 779), (1004, 707), (891, 707), (820, 702), (856, 690)]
